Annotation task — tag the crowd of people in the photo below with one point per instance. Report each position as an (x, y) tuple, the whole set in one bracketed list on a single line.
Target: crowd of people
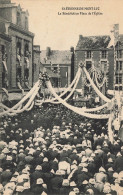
[(51, 150)]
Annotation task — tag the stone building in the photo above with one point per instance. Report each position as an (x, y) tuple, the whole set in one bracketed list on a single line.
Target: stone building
[(95, 50), (14, 24), (61, 63)]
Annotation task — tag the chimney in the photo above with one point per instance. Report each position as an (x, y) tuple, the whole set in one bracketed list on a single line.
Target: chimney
[(48, 51), (80, 37), (72, 49)]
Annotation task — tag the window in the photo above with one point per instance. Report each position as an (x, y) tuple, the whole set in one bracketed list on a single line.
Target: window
[(18, 18), (104, 54), (119, 53), (18, 40), (119, 65), (88, 65), (26, 49), (55, 69), (26, 23), (119, 79), (103, 66), (89, 54)]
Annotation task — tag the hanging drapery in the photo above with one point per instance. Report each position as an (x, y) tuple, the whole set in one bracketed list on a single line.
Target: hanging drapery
[(73, 89), (21, 101), (30, 101), (100, 84), (94, 116), (95, 88), (67, 89), (95, 109), (31, 106)]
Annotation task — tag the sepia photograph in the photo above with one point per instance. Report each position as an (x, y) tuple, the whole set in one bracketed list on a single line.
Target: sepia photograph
[(61, 97)]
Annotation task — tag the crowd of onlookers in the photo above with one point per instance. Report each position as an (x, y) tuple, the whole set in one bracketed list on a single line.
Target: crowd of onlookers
[(51, 150)]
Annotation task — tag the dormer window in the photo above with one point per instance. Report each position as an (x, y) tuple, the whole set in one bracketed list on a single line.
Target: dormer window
[(89, 54), (104, 54), (19, 48)]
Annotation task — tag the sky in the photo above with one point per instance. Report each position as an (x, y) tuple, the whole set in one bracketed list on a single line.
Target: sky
[(60, 32)]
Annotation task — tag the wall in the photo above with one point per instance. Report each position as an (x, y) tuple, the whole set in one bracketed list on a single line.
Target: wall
[(15, 34), (14, 15), (6, 13)]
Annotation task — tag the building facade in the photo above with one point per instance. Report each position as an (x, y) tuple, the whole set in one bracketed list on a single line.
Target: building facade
[(95, 50), (61, 63), (14, 24)]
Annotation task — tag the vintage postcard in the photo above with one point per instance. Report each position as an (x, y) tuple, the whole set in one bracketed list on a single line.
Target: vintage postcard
[(61, 97)]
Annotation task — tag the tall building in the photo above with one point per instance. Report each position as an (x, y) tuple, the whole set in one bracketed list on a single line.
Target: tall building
[(18, 51), (98, 51)]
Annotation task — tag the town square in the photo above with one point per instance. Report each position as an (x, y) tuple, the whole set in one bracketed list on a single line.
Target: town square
[(61, 106)]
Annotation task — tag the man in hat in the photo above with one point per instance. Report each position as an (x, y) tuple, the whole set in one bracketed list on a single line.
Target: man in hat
[(65, 189), (109, 164), (38, 187), (6, 176), (90, 185), (54, 164), (110, 172), (91, 166), (36, 175), (118, 163), (80, 175), (45, 165), (56, 181)]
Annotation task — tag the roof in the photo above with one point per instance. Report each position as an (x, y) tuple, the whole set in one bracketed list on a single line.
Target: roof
[(56, 57), (96, 42), (5, 37), (120, 41), (93, 42)]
